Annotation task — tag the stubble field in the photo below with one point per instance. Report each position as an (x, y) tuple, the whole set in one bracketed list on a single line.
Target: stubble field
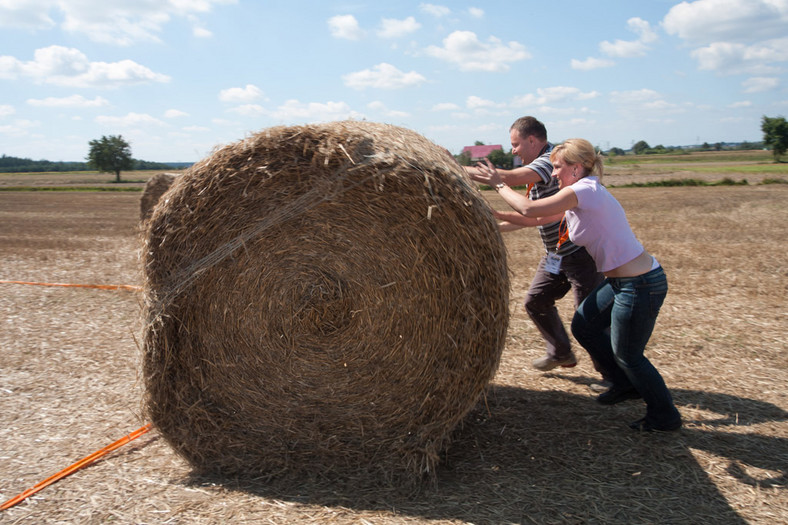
[(538, 449)]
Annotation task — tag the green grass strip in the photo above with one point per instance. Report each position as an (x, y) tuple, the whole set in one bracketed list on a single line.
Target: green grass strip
[(81, 189), (671, 183)]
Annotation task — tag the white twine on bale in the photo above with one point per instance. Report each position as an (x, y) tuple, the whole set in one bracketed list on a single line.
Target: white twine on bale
[(311, 199)]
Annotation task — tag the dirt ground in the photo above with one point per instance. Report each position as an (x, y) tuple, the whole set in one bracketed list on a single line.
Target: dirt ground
[(538, 449)]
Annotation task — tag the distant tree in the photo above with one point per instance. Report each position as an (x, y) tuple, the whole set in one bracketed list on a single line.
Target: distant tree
[(463, 159), (110, 155), (501, 159), (478, 143), (775, 135), (641, 147), (616, 151)]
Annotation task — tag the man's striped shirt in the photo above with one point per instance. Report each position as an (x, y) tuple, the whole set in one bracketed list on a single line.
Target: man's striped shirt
[(546, 187)]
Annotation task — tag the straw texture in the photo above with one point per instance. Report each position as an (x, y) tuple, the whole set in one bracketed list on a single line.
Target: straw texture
[(325, 299)]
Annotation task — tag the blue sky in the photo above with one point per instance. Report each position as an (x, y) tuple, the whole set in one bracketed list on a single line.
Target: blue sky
[(178, 78)]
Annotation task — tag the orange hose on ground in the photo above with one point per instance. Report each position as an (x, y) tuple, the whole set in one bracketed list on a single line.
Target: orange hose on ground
[(99, 286), (84, 462)]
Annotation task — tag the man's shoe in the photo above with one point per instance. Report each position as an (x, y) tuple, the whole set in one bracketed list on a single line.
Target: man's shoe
[(644, 425), (600, 387), (617, 394), (547, 363)]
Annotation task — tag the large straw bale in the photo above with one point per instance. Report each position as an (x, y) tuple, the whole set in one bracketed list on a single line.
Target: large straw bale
[(326, 298)]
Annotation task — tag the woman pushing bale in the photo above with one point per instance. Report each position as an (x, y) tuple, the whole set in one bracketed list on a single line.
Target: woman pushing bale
[(325, 298)]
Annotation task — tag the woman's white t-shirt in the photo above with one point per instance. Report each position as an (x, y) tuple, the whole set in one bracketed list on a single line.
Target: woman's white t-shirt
[(599, 224)]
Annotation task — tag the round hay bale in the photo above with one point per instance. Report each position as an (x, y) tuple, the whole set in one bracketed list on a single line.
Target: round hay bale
[(321, 299), (154, 189)]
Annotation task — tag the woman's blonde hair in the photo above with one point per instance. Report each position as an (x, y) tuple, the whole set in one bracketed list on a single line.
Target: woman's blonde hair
[(580, 151)]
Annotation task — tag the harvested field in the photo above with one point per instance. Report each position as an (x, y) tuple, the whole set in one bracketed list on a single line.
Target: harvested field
[(538, 449)]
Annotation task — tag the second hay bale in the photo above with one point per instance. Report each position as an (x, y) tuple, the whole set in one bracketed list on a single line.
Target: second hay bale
[(154, 188), (325, 298)]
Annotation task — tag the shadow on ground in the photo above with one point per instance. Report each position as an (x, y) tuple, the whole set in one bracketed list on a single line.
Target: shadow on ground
[(526, 456)]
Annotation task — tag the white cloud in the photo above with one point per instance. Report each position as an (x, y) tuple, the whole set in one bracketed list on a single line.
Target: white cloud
[(591, 63), (19, 127), (383, 76), (476, 12), (445, 106), (109, 22), (128, 121), (244, 94), (393, 28), (707, 21), (573, 123), (661, 105), (64, 66), (380, 107), (623, 49), (758, 84), (6, 110), (314, 111), (741, 104), (642, 29), (474, 102), (27, 15), (568, 111), (736, 58), (733, 36), (553, 95), (644, 101), (435, 10), (559, 93), (175, 113), (248, 110), (631, 48), (74, 101), (346, 27), (464, 49), (52, 61), (198, 30), (201, 32), (196, 128), (640, 96), (225, 122)]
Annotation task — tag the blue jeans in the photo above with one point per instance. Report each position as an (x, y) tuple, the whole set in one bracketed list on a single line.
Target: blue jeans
[(614, 323)]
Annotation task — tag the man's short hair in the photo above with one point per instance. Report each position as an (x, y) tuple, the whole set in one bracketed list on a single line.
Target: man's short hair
[(529, 126)]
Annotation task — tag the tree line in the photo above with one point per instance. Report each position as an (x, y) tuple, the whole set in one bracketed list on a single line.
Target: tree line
[(109, 154), (112, 154), (9, 164)]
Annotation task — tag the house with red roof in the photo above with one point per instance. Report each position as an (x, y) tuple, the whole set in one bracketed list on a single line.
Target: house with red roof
[(479, 153)]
